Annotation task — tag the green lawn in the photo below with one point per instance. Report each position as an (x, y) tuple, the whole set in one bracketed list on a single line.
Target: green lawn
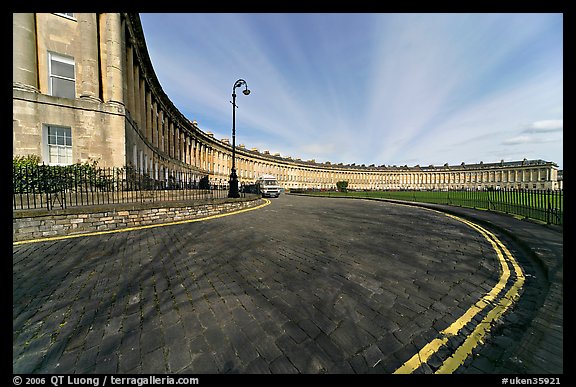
[(546, 206)]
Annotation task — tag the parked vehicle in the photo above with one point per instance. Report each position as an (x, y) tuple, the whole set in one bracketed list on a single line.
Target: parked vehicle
[(267, 185)]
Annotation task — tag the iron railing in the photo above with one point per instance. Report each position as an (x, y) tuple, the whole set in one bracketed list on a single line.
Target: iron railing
[(544, 205), (59, 187)]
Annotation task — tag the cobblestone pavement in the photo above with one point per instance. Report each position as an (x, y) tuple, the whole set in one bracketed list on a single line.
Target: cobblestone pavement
[(304, 285)]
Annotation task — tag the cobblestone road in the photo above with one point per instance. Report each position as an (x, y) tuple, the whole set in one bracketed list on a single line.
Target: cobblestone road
[(304, 285)]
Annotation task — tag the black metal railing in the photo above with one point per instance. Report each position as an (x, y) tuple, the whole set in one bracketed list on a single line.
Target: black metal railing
[(544, 205), (54, 187)]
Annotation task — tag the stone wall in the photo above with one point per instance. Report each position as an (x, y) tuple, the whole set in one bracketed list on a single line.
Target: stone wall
[(37, 224), (98, 129)]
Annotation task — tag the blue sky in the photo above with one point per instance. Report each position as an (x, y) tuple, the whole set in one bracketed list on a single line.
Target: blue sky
[(393, 89)]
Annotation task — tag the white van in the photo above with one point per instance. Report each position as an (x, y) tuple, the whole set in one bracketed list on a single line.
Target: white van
[(268, 186)]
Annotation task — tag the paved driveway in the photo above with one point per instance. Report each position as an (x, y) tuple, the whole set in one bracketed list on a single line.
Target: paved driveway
[(304, 285)]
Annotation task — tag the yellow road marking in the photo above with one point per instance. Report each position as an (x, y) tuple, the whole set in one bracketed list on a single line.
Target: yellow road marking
[(474, 338), (57, 238), (457, 359)]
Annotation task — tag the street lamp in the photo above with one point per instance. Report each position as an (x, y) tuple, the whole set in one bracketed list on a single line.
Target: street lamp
[(233, 192)]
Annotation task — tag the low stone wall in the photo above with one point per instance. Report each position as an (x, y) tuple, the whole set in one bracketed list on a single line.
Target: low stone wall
[(37, 224)]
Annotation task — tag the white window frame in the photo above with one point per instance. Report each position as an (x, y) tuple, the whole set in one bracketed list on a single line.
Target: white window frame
[(63, 59), (69, 15), (47, 146)]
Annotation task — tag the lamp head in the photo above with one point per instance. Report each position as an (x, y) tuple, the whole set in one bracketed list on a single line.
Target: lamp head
[(246, 91)]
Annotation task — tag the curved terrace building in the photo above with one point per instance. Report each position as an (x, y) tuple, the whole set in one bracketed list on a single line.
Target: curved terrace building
[(84, 89)]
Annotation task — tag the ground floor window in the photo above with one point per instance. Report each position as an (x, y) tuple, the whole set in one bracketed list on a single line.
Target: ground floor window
[(59, 144)]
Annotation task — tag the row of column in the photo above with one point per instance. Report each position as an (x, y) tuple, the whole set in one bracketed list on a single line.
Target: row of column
[(252, 169), (506, 176), (157, 125), (384, 179), (109, 27)]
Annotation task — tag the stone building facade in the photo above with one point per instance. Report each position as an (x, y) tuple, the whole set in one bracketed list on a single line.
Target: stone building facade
[(84, 89)]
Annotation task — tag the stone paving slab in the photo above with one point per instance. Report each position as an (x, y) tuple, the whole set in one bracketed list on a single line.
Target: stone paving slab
[(304, 285)]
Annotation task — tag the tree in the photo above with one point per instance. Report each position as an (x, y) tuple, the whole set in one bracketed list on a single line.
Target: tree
[(342, 186)]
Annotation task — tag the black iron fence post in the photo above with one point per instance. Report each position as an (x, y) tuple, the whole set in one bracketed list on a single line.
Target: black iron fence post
[(548, 207)]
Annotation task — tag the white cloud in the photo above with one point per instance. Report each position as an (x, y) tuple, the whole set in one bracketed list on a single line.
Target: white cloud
[(545, 126), (520, 140)]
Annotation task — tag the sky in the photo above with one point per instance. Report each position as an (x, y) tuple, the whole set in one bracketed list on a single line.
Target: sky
[(374, 88)]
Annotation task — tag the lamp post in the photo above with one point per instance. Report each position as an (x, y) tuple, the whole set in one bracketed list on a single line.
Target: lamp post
[(233, 192)]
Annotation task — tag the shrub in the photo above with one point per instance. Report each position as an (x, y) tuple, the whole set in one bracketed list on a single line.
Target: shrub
[(342, 186), (29, 176)]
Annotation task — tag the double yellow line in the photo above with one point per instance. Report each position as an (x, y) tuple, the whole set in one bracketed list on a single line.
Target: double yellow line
[(472, 340)]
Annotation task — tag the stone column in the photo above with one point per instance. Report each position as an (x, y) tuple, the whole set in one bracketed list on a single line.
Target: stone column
[(160, 143), (136, 102), (171, 139), (88, 69), (114, 90), (179, 138), (143, 113), (148, 106), (167, 124), (176, 143), (210, 162), (155, 124), (24, 55), (165, 132), (188, 151), (182, 148), (193, 151), (201, 161), (130, 80)]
